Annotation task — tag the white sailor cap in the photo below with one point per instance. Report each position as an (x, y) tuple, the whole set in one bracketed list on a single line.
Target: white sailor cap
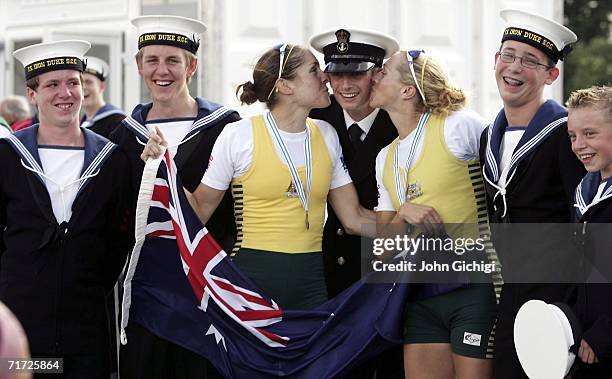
[(546, 338), (97, 67), (546, 35), (50, 56), (353, 50), (176, 31)]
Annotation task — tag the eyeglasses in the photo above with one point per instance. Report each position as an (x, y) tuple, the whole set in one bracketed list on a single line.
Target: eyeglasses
[(411, 56), (526, 62)]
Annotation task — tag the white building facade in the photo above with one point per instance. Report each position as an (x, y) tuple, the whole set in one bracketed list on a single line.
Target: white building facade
[(463, 34)]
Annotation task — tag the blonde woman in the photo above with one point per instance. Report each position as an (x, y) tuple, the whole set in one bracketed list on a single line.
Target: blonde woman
[(426, 177)]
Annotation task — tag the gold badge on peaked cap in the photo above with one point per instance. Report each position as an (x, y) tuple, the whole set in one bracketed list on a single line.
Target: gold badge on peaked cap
[(343, 37)]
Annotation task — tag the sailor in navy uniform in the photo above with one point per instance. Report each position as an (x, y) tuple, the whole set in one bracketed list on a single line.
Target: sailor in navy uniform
[(352, 57), (592, 299), (102, 118), (166, 61), (530, 172), (590, 130), (99, 116), (62, 203)]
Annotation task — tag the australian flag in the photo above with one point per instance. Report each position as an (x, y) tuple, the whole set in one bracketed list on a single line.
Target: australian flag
[(183, 287)]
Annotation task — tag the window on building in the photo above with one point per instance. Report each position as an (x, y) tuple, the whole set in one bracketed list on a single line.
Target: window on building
[(2, 68)]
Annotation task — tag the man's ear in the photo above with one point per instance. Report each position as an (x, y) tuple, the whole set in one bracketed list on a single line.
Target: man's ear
[(553, 74), (139, 65), (31, 95), (102, 86), (192, 67)]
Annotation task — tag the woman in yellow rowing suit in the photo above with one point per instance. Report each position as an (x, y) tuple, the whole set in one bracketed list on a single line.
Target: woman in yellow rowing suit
[(445, 336), (281, 168)]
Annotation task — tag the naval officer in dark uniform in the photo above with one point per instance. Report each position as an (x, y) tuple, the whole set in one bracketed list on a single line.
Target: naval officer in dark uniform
[(352, 57)]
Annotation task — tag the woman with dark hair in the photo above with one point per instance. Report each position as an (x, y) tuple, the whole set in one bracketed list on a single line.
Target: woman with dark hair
[(281, 167), (429, 176)]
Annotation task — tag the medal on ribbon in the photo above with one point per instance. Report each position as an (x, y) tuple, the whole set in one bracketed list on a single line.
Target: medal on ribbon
[(414, 190), (296, 182)]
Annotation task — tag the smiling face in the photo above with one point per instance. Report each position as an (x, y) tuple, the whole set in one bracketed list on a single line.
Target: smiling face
[(165, 71), (591, 134), (352, 91), (310, 84), (58, 96), (519, 85), (93, 91)]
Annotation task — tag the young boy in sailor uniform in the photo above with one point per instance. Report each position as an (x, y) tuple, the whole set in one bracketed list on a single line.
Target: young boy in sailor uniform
[(167, 61), (529, 170), (590, 129), (100, 117), (62, 203)]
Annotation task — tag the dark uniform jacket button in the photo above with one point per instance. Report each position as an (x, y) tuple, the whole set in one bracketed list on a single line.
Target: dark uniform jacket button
[(341, 259), (340, 232)]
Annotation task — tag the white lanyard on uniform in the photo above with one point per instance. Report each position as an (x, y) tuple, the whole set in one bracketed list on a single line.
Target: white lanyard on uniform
[(401, 186), (295, 177), (62, 187)]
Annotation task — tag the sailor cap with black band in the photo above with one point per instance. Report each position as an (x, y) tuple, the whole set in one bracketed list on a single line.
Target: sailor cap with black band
[(548, 36), (97, 67), (51, 56), (353, 50), (169, 30)]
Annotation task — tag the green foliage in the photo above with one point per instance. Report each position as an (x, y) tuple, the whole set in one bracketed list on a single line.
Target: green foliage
[(588, 18), (590, 63)]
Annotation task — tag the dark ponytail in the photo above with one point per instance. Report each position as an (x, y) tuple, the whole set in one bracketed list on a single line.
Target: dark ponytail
[(265, 75)]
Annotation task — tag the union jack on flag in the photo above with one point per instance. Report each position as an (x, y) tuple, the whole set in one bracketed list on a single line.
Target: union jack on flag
[(181, 286)]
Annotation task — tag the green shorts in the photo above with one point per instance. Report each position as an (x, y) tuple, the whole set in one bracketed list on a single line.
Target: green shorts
[(294, 281), (463, 317)]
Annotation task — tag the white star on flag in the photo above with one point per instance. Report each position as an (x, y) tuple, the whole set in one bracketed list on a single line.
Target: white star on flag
[(217, 334)]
